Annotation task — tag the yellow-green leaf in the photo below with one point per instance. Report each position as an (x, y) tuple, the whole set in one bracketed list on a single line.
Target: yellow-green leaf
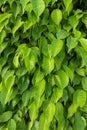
[(56, 16), (56, 47), (38, 7)]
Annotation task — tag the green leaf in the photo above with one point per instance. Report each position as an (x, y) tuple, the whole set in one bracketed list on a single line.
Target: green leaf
[(73, 21), (2, 36), (27, 25), (46, 117), (84, 19), (83, 54), (67, 3), (16, 61), (3, 46), (17, 26), (80, 71), (40, 88), (38, 7), (61, 79), (32, 111), (59, 115), (23, 3), (15, 8), (79, 98), (56, 46), (69, 72), (84, 83), (4, 16), (77, 34), (56, 16), (30, 61), (72, 110), (71, 43), (24, 50), (57, 94), (3, 24), (38, 76), (4, 117), (12, 125), (83, 42), (23, 83), (45, 47), (48, 65), (9, 81), (5, 95), (79, 122), (62, 34), (59, 59)]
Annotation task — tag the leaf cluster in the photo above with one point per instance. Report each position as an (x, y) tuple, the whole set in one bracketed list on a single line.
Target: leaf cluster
[(43, 65)]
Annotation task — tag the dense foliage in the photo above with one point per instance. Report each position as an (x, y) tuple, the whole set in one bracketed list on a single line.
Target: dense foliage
[(43, 64)]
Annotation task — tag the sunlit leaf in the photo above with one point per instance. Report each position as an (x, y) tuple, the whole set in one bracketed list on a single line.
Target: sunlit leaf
[(56, 16), (47, 65), (38, 6), (56, 46)]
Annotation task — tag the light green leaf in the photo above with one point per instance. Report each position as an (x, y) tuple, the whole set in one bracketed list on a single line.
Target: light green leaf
[(40, 87), (9, 81), (49, 112), (30, 61), (3, 46), (59, 115), (5, 95), (46, 117), (56, 46), (67, 3), (2, 36), (3, 24), (27, 25), (57, 94), (77, 34), (73, 21), (84, 83), (48, 65), (17, 26), (24, 50), (11, 125), (79, 98), (84, 19), (38, 7), (38, 76), (45, 48), (4, 16), (72, 110), (56, 16), (61, 79), (43, 123), (80, 71), (83, 42), (59, 111), (4, 117), (16, 61), (32, 111)]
